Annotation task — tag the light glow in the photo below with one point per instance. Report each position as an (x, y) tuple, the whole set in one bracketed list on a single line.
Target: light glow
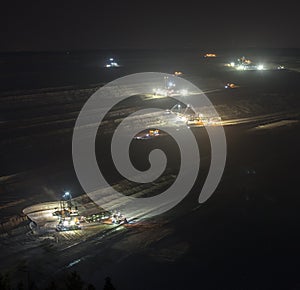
[(260, 67), (184, 92)]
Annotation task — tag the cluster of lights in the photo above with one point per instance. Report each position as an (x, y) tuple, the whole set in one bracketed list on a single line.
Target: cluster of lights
[(167, 92), (245, 64), (240, 67), (67, 223), (169, 89), (171, 85), (184, 92), (67, 195), (112, 63), (160, 92), (245, 67), (260, 67)]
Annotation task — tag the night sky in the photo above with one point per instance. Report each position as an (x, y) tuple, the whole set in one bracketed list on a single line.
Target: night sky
[(64, 25)]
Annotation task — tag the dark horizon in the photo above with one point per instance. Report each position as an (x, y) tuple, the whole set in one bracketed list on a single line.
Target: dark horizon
[(189, 49), (62, 26)]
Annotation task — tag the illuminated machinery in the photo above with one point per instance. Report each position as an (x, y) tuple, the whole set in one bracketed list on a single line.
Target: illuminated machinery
[(187, 114), (148, 134), (230, 86), (118, 218), (108, 218), (195, 121), (68, 224), (68, 215), (184, 111), (168, 87), (246, 64), (153, 133)]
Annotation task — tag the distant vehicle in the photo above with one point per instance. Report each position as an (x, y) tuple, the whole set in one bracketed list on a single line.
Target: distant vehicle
[(230, 86), (154, 132), (210, 55), (148, 134), (177, 73), (195, 121)]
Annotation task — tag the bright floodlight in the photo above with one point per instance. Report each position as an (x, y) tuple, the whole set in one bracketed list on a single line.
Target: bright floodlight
[(232, 64), (111, 59), (67, 195), (260, 67)]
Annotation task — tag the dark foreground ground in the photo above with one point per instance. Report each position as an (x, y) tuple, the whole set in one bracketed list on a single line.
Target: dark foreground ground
[(246, 236)]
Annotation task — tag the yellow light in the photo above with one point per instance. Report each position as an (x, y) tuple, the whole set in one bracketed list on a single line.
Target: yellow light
[(210, 55), (177, 73)]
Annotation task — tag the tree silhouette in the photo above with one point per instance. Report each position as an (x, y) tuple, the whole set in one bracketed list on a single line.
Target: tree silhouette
[(90, 287), (30, 283), (20, 285), (52, 286), (108, 285), (74, 281), (4, 282)]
